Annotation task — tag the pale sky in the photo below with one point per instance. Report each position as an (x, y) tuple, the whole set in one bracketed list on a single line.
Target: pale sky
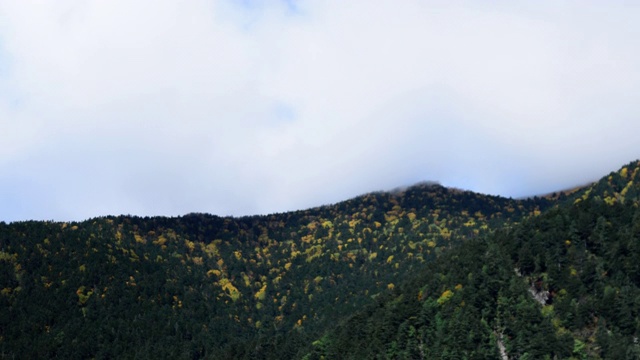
[(164, 107)]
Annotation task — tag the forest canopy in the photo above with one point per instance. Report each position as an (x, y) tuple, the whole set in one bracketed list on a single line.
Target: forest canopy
[(422, 272)]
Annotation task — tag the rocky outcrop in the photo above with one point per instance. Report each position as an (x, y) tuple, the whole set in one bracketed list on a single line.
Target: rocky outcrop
[(501, 347), (539, 294)]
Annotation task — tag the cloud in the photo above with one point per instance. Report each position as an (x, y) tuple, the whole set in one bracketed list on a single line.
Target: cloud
[(243, 107)]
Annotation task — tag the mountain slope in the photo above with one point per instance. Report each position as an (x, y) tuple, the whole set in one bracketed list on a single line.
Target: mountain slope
[(565, 284), (202, 286)]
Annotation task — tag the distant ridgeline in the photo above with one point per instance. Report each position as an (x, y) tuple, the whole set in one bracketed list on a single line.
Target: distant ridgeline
[(424, 272)]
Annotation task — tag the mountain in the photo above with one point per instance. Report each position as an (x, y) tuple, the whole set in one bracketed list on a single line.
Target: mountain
[(349, 280), (562, 285)]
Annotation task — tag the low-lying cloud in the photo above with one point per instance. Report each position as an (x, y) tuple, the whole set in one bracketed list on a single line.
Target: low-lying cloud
[(243, 107)]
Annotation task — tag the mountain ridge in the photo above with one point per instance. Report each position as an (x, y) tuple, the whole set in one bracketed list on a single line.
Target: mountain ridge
[(261, 286), (582, 255)]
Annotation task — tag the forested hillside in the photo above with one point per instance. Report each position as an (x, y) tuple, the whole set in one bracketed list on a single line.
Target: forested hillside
[(205, 286), (425, 272), (565, 284)]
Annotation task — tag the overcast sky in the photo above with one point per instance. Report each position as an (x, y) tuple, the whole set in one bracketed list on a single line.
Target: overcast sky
[(237, 107)]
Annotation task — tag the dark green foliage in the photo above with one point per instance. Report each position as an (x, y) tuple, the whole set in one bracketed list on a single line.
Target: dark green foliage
[(584, 253), (427, 272)]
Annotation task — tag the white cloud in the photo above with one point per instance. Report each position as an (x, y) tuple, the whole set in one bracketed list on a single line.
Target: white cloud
[(234, 107)]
